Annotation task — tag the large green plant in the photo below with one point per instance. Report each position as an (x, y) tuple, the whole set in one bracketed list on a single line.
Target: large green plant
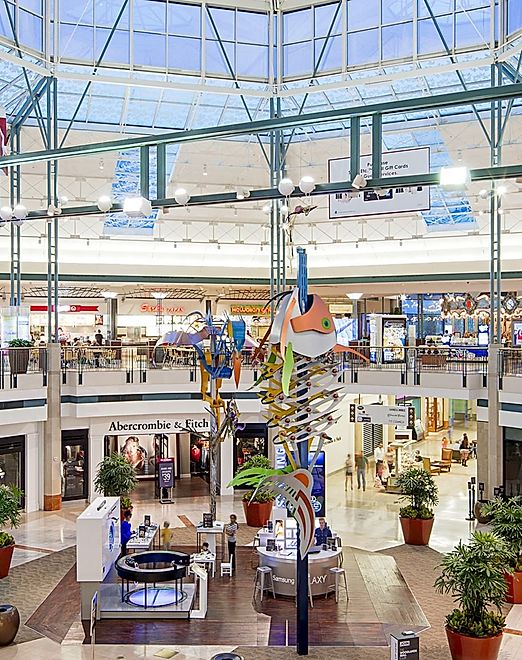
[(20, 343), (506, 522), (10, 497), (420, 489), (474, 575), (252, 474), (115, 476)]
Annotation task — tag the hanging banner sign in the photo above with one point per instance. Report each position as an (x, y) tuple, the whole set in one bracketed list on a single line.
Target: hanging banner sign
[(403, 416), (166, 473), (392, 200)]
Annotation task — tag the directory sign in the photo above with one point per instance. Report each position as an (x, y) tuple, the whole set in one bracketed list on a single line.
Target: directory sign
[(401, 416), (376, 202)]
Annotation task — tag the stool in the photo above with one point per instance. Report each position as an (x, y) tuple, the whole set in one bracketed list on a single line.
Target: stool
[(339, 544), (336, 574), (226, 568), (310, 591), (254, 557), (264, 573)]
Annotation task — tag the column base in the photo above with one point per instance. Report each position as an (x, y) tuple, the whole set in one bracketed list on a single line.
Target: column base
[(52, 502)]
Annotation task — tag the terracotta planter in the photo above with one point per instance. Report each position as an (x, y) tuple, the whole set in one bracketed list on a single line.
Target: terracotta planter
[(483, 520), (463, 647), (514, 583), (18, 360), (257, 513), (6, 555), (416, 531)]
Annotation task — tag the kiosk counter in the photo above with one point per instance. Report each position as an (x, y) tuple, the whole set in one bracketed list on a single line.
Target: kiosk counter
[(284, 563)]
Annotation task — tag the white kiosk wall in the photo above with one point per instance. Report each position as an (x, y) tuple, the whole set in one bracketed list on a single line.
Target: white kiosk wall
[(97, 546)]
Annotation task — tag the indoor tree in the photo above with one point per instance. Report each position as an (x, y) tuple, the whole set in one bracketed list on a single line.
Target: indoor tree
[(10, 498), (506, 522), (419, 488), (115, 477)]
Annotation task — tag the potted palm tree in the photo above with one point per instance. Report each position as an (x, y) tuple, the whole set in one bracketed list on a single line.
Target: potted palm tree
[(19, 351), (474, 575), (506, 522), (257, 500), (10, 498), (116, 477), (419, 488)]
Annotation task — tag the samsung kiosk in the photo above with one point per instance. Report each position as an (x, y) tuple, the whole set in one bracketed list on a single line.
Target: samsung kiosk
[(143, 585), (278, 551)]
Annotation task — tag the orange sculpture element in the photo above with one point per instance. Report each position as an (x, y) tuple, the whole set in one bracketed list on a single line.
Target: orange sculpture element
[(318, 318)]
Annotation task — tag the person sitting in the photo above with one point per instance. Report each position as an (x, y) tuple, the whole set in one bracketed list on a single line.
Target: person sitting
[(205, 549), (166, 536), (126, 531), (322, 533)]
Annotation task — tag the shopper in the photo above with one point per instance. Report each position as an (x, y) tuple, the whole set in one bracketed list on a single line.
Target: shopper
[(390, 459), (98, 338), (322, 533), (445, 442), (378, 454), (361, 464), (126, 531), (464, 450), (166, 536), (348, 472), (231, 531)]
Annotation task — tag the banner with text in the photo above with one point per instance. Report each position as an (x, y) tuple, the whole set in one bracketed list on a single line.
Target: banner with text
[(386, 201)]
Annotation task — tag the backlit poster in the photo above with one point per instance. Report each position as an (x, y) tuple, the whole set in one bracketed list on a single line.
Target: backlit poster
[(393, 339), (319, 485)]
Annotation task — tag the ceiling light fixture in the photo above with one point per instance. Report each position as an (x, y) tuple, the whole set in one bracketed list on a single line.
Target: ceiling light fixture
[(267, 209), (355, 296), (454, 177), (181, 196), (104, 203), (109, 294), (6, 213), (205, 173), (137, 207), (20, 212), (242, 193), (286, 187), (501, 190), (359, 182), (306, 184), (159, 295), (64, 199)]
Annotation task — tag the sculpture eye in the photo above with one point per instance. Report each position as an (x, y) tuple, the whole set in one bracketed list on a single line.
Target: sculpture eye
[(326, 323)]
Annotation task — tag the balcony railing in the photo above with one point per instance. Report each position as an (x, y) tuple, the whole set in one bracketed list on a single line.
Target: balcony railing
[(17, 362)]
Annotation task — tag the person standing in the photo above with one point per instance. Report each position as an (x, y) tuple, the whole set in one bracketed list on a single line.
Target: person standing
[(464, 450), (231, 533), (378, 454), (166, 536), (390, 459), (361, 463), (348, 472), (126, 531)]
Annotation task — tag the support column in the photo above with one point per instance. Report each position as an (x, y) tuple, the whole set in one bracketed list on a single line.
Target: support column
[(53, 433), (489, 437)]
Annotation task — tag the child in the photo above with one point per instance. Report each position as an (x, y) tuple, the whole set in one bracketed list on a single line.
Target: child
[(205, 550), (166, 536)]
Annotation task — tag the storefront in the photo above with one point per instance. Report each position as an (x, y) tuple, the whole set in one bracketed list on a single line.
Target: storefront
[(256, 316), (75, 464), (250, 440), (12, 462), (74, 320), (512, 467), (139, 320)]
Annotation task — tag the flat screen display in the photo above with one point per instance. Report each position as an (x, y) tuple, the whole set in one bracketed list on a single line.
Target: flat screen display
[(346, 330)]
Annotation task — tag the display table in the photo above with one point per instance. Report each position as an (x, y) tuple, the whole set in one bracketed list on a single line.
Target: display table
[(205, 559), (217, 530), (283, 564), (146, 542)]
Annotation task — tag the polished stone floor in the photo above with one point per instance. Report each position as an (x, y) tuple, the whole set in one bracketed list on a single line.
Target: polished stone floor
[(365, 520)]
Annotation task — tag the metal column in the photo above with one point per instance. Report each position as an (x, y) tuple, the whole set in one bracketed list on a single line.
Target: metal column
[(14, 185), (53, 203), (277, 237)]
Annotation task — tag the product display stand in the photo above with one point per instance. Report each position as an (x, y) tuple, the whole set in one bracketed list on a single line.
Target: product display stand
[(201, 578), (166, 495)]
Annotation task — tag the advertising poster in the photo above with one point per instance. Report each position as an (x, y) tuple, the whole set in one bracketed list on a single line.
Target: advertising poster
[(393, 339), (393, 200), (166, 473), (319, 485), (140, 451), (517, 333)]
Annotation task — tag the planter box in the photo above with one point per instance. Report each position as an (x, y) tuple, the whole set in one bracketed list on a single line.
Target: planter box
[(463, 647), (416, 531), (6, 554), (514, 583), (257, 513), (18, 360)]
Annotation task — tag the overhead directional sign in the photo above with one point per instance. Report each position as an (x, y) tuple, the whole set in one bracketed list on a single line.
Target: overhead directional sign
[(403, 416)]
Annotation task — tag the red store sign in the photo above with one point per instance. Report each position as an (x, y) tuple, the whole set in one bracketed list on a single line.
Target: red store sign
[(65, 308), (165, 309)]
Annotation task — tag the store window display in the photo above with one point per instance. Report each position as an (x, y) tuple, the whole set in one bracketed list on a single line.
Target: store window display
[(141, 451)]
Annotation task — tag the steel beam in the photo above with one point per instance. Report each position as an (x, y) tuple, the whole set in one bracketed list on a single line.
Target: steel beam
[(376, 146), (417, 104), (144, 172), (161, 170), (14, 189)]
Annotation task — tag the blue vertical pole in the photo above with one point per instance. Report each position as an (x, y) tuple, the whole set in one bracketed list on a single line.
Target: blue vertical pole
[(302, 448)]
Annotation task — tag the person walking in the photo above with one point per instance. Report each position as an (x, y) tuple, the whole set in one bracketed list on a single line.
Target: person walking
[(361, 463), (231, 533), (464, 450), (348, 472), (166, 536), (378, 454)]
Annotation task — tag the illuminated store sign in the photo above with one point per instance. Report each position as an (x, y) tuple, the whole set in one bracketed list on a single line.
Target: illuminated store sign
[(250, 310), (66, 308), (165, 426), (165, 309)]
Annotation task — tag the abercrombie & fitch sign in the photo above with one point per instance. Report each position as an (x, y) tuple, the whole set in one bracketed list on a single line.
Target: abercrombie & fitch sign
[(160, 425)]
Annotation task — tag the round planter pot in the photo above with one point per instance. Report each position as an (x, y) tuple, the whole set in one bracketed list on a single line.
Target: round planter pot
[(514, 584), (257, 513), (416, 531), (463, 647), (9, 624), (6, 555), (483, 520)]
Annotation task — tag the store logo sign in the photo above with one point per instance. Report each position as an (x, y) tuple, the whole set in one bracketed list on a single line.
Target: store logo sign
[(283, 580), (173, 426), (318, 579), (164, 309)]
